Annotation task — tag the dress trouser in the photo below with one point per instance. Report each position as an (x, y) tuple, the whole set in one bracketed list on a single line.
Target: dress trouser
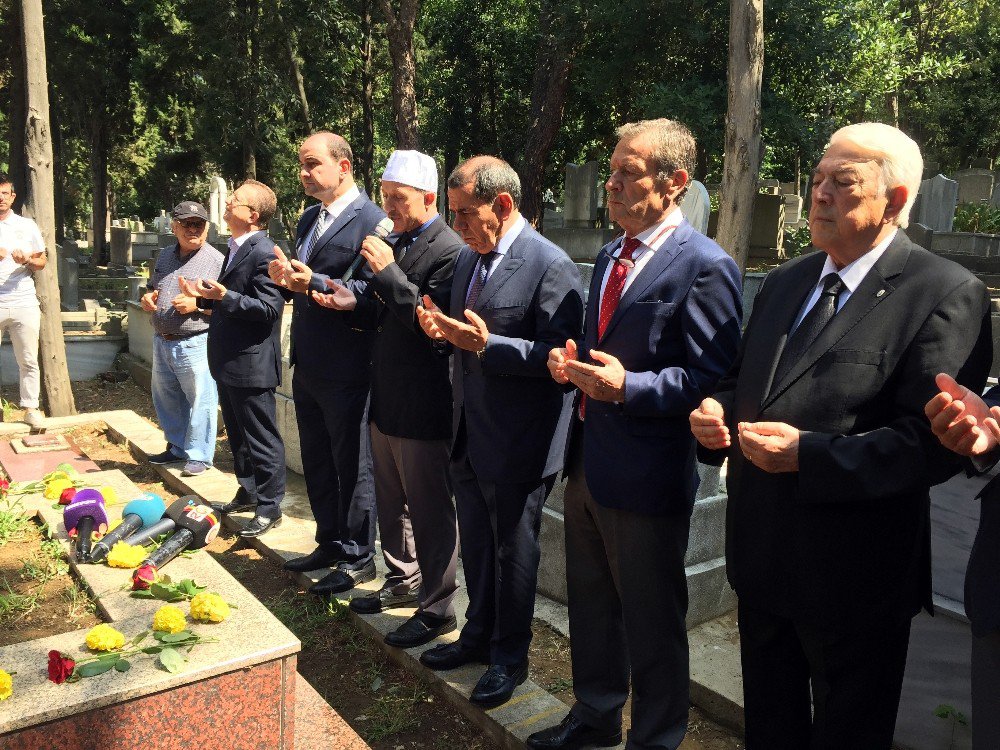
[(498, 524), (416, 519), (257, 447), (627, 606), (986, 691), (23, 324), (332, 418), (854, 680)]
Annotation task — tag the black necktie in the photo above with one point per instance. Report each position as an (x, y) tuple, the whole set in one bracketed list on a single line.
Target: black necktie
[(402, 245), (810, 327)]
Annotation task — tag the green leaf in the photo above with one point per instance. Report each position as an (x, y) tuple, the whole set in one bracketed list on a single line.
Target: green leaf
[(142, 594), (184, 635), (152, 649), (68, 468), (122, 665), (171, 660), (139, 638), (189, 588), (96, 667)]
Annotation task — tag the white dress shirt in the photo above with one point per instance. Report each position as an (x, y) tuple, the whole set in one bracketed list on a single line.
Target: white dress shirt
[(651, 240)]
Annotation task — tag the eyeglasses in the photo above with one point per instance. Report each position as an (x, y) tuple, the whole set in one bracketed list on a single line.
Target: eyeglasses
[(233, 203), (192, 223)]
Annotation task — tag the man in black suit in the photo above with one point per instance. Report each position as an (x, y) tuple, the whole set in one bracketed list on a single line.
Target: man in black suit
[(244, 354), (968, 424), (331, 356), (410, 415), (515, 296), (831, 457)]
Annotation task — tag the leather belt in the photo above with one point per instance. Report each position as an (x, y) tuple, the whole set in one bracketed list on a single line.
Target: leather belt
[(179, 336)]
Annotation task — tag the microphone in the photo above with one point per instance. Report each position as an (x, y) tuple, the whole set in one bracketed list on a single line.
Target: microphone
[(382, 230), (197, 526), (81, 516), (144, 511), (163, 526)]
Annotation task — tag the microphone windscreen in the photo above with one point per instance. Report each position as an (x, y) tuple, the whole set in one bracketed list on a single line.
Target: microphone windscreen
[(148, 506), (383, 229)]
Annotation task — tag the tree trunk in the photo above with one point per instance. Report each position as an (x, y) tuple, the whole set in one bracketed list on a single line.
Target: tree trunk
[(38, 158), (404, 70), (299, 81), (99, 180), (742, 160), (367, 152), (59, 195), (17, 113), (553, 61), (892, 107)]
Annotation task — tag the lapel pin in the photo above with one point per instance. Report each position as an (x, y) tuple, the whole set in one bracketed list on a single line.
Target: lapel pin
[(880, 292)]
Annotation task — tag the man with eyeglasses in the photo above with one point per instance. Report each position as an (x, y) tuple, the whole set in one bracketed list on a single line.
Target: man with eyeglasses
[(184, 393), (22, 252)]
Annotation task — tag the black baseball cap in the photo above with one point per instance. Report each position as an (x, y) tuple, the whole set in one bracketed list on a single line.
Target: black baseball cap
[(190, 210)]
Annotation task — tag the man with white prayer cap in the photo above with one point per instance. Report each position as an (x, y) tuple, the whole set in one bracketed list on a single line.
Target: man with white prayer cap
[(411, 402)]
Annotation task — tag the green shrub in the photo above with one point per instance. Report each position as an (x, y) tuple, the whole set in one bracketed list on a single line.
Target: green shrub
[(977, 217)]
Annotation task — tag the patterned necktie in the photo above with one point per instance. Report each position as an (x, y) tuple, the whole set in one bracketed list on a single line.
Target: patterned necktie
[(616, 284), (482, 273), (810, 327), (316, 234)]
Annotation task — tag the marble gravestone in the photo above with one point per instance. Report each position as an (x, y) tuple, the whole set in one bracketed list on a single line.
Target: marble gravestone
[(938, 200), (696, 206)]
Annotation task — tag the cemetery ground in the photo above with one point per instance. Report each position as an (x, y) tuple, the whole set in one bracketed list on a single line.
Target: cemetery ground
[(388, 706)]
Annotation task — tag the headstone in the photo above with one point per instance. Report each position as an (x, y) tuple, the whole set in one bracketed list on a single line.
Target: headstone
[(920, 235), (769, 183), (938, 199), (931, 168), (995, 198), (580, 195), (162, 222), (69, 284), (983, 162), (793, 208), (136, 287), (696, 206), (767, 229), (217, 200), (70, 249), (974, 185), (121, 246), (788, 188)]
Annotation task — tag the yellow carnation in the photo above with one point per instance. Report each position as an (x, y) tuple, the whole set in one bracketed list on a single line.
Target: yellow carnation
[(55, 487), (6, 685), (124, 555), (209, 608), (170, 619), (103, 637), (109, 494)]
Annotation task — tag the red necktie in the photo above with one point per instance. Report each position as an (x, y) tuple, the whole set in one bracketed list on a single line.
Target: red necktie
[(616, 283)]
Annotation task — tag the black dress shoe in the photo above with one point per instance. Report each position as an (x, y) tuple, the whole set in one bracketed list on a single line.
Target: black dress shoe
[(259, 525), (380, 600), (315, 560), (420, 629), (453, 655), (238, 504), (343, 579), (572, 734), (497, 685)]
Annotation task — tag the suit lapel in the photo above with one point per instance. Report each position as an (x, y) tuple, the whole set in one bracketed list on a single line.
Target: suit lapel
[(345, 218), (418, 247), (662, 258), (241, 252), (874, 289), (509, 263)]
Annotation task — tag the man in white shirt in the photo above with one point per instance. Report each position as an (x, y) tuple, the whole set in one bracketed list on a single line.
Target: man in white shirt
[(22, 252)]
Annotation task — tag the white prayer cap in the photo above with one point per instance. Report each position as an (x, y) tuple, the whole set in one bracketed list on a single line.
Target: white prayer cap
[(412, 168)]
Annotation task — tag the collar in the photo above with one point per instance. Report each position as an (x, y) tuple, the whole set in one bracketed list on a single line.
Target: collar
[(854, 272), (343, 201), (244, 237), (653, 237), (508, 239)]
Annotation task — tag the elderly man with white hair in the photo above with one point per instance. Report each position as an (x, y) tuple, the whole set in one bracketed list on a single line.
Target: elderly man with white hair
[(830, 455), (411, 407)]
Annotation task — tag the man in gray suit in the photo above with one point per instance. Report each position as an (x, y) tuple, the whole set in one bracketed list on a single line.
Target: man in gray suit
[(514, 297)]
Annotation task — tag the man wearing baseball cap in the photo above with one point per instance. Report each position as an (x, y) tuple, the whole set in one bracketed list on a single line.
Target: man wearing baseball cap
[(411, 404), (184, 392)]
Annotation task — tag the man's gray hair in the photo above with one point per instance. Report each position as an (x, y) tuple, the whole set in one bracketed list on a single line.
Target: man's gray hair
[(673, 144), (897, 155), (262, 200), (489, 176)]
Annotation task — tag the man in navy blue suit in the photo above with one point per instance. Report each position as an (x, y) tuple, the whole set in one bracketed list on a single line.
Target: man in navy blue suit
[(332, 358), (662, 326), (515, 295), (244, 354)]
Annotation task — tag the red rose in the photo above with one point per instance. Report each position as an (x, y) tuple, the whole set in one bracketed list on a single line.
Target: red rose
[(66, 497), (143, 578), (60, 667)]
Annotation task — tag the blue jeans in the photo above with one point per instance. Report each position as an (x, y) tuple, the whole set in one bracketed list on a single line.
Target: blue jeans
[(185, 397)]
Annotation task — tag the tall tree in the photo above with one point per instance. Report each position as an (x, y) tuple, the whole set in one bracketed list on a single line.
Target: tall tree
[(742, 160), (400, 26), (40, 206)]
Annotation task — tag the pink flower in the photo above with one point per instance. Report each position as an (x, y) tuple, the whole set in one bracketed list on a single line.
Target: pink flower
[(60, 667)]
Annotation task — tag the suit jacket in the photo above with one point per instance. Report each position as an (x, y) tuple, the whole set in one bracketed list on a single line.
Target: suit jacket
[(845, 540), (326, 342), (676, 331), (411, 389), (982, 592), (516, 416), (244, 332)]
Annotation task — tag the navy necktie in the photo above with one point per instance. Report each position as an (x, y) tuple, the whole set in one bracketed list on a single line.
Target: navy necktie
[(482, 273)]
